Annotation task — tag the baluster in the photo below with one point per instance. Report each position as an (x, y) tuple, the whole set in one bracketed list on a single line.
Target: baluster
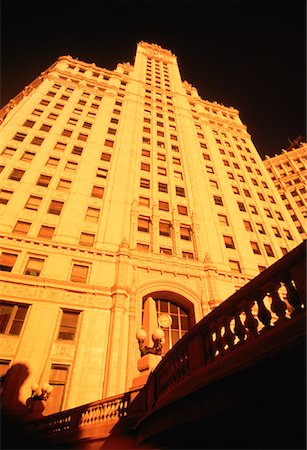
[(208, 347), (228, 335), (239, 328), (293, 297), (219, 342), (278, 306), (264, 314), (250, 322)]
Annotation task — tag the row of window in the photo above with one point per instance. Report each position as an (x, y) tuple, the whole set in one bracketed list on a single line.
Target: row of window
[(35, 264), (165, 228)]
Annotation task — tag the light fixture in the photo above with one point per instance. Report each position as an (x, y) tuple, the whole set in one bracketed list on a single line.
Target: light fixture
[(41, 393), (158, 340)]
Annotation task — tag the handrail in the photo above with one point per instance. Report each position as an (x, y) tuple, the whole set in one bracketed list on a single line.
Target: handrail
[(105, 411), (268, 302)]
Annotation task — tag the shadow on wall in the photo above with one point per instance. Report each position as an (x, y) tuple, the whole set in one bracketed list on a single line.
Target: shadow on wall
[(14, 413)]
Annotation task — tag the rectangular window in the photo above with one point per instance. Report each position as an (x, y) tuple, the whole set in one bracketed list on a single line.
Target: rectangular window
[(87, 239), (52, 162), (46, 232), (164, 228), (63, 185), (68, 325), (8, 151), (7, 261), (105, 156), (166, 251), (66, 132), (37, 140), (180, 191), (218, 200), (248, 225), (223, 219), (162, 187), (34, 266), (241, 206), (144, 183), (143, 224), (162, 171), (92, 214), (101, 173), (33, 202), (145, 152), (269, 250), (142, 247), (58, 379), (12, 317), (27, 156), (260, 228), (163, 206), (145, 167), (5, 196), (43, 180), (55, 207), (79, 273), (189, 255), (234, 266), (97, 191), (185, 232), (144, 201), (255, 248), (228, 241), (60, 146), (77, 150), (16, 174), (109, 143), (178, 175), (182, 210), (71, 166), (22, 227), (19, 136)]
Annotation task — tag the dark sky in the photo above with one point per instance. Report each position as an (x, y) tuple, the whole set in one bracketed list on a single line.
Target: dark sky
[(246, 54)]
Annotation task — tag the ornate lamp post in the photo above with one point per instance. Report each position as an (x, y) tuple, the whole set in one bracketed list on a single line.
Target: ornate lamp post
[(158, 341)]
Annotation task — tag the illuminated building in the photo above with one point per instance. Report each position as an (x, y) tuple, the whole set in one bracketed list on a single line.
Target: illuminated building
[(289, 173), (117, 186)]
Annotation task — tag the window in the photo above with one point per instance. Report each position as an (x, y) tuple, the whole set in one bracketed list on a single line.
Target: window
[(241, 206), (45, 127), (269, 250), (37, 112), (214, 184), (7, 261), (255, 248), (63, 185), (218, 200), (66, 132), (5, 196), (71, 165), (105, 156), (260, 228), (97, 191), (189, 255), (268, 212), (288, 235), (178, 175), (164, 228), (16, 174), (12, 317), (143, 224), (27, 156), (248, 225), (22, 227), (228, 241), (8, 151), (58, 379), (52, 162), (19, 136), (37, 140), (87, 239), (276, 232), (166, 251), (33, 202), (180, 191), (108, 143), (43, 180), (55, 207), (145, 152), (77, 150), (182, 210), (235, 266), (60, 146), (209, 169), (161, 171), (145, 167), (163, 206), (185, 232), (144, 201), (92, 214), (79, 273), (144, 183), (46, 232), (68, 326), (223, 219), (101, 173), (34, 266), (142, 247)]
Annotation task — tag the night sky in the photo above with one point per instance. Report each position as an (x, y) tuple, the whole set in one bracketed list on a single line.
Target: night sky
[(246, 54)]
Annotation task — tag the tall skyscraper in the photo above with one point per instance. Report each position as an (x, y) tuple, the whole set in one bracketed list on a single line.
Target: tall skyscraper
[(117, 186), (288, 171)]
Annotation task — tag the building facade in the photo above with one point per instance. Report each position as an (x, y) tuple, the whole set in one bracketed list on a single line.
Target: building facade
[(117, 186), (288, 171)]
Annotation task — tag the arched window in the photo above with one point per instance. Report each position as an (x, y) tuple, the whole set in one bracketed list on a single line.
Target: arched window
[(174, 320)]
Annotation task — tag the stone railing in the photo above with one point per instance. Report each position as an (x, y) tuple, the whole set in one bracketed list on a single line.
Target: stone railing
[(73, 423), (251, 322)]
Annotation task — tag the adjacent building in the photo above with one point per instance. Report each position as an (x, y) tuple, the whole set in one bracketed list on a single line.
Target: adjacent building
[(119, 185), (289, 174)]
